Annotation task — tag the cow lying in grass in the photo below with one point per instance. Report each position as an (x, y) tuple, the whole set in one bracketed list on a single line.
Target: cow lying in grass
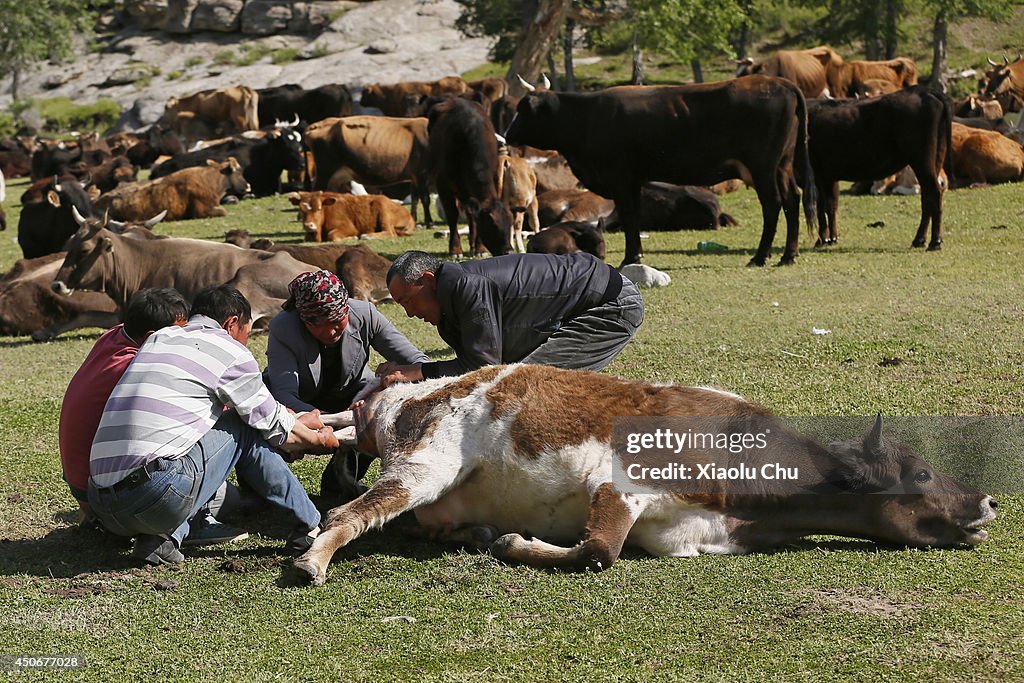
[(527, 449)]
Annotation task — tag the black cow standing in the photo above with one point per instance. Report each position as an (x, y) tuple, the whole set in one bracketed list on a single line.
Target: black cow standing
[(874, 138), (463, 160), (285, 102), (615, 140)]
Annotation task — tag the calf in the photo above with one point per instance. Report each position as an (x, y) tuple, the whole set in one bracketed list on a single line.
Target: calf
[(329, 216), (568, 238), (188, 193), (517, 187), (680, 207), (453, 449), (982, 156), (874, 138), (463, 162)]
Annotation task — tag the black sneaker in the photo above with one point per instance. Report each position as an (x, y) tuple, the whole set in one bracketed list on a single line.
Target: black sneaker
[(208, 531), (298, 542), (155, 550)]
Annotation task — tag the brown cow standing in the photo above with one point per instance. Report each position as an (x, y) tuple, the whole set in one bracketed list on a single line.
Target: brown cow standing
[(846, 79), (391, 99), (236, 106), (1005, 83), (374, 150), (806, 68), (329, 216), (193, 192)]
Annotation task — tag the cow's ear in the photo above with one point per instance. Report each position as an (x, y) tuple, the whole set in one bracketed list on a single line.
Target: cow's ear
[(294, 198), (53, 198), (212, 162), (107, 244), (327, 201)]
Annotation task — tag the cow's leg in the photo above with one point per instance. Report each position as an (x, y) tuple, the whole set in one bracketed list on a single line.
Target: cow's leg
[(832, 213), (611, 517), (423, 193), (451, 212), (517, 232), (87, 319), (625, 205), (771, 204), (931, 211), (397, 490), (791, 209)]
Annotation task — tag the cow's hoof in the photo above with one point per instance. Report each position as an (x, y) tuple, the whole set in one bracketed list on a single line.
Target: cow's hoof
[(483, 536), (787, 260), (755, 262), (229, 199), (505, 547), (820, 243), (310, 572), (935, 246), (917, 244), (41, 335)]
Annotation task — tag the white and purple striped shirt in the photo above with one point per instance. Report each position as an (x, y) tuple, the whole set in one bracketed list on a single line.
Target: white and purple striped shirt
[(173, 392)]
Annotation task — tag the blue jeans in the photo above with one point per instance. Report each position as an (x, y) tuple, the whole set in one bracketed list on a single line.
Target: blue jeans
[(176, 489)]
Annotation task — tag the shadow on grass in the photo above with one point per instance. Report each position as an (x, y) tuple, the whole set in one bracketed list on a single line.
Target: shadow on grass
[(64, 338)]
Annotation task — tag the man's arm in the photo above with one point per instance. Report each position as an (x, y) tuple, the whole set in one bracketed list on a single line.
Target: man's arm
[(478, 329), (282, 373)]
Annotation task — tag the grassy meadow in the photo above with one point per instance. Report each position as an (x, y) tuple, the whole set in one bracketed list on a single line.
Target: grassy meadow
[(910, 333)]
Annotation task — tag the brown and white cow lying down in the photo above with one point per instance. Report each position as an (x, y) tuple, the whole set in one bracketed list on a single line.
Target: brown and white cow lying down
[(511, 451)]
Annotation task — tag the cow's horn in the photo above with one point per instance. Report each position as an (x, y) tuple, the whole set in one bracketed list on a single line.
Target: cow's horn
[(525, 83), (155, 219), (873, 442), (545, 82), (501, 140), (77, 216), (345, 418), (992, 62), (296, 121), (1005, 60), (106, 217)]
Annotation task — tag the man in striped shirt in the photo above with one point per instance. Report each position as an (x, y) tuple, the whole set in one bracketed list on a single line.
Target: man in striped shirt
[(189, 408)]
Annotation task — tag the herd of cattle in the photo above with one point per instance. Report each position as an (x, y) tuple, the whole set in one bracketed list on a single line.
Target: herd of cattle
[(568, 167)]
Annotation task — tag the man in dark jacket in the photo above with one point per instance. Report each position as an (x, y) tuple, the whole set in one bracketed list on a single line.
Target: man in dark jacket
[(570, 311)]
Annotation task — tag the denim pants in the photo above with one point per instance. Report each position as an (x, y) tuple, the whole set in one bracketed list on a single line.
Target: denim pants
[(176, 489)]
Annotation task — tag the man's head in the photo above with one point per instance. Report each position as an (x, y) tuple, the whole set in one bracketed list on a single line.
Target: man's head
[(151, 309), (321, 301), (412, 282), (227, 306)]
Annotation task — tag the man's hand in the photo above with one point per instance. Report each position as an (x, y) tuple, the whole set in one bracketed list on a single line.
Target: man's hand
[(311, 419), (390, 373)]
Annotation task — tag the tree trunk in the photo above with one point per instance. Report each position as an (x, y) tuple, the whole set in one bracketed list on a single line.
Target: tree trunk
[(536, 43), (742, 35), (872, 42), (570, 72), (638, 63), (15, 83), (553, 72), (891, 25), (940, 53), (698, 72)]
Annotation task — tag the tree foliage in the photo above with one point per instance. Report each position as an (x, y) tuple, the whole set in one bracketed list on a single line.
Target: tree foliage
[(37, 30), (686, 29)]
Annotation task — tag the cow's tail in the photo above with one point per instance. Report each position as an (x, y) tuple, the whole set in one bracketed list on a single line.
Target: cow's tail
[(803, 159), (947, 127)]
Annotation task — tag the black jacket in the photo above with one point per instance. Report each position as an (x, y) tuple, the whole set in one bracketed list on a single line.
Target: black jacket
[(498, 310)]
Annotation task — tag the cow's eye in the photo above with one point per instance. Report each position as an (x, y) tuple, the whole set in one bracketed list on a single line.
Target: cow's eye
[(923, 476)]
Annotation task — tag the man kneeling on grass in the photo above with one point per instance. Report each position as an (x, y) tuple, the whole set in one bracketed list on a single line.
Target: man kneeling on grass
[(191, 407), (148, 310)]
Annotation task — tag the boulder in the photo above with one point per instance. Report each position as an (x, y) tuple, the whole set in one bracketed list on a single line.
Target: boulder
[(266, 17), (224, 16), (179, 15), (151, 14)]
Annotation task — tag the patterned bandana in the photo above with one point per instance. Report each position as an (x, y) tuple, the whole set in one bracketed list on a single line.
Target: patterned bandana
[(319, 297)]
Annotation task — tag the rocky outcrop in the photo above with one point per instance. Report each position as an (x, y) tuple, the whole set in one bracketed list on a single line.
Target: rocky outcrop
[(251, 17)]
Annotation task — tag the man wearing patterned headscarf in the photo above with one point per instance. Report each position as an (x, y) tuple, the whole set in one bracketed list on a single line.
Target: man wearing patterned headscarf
[(317, 355)]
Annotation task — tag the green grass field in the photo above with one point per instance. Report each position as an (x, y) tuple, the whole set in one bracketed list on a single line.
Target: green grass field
[(399, 608)]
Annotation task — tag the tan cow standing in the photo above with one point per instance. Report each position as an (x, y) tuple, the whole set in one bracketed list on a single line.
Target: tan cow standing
[(329, 216), (517, 189), (236, 106), (193, 192)]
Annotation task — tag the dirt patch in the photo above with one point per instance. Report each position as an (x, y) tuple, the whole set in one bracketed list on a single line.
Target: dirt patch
[(862, 601)]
